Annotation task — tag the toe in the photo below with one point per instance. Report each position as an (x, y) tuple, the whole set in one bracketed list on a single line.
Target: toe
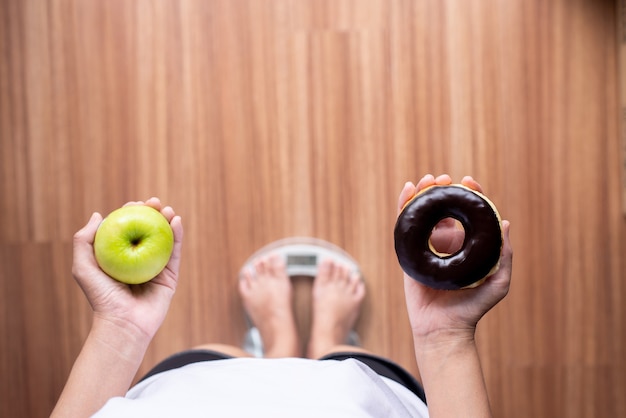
[(341, 275), (261, 266), (359, 285), (277, 266), (245, 281), (325, 270)]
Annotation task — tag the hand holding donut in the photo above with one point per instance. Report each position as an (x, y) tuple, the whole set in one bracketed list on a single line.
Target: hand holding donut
[(435, 311)]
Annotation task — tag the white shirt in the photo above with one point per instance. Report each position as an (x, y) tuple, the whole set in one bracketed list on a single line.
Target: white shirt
[(253, 387)]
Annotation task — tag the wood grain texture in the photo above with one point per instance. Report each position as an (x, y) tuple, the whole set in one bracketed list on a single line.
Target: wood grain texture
[(259, 120)]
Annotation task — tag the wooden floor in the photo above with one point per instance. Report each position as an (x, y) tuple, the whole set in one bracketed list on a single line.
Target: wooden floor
[(259, 120)]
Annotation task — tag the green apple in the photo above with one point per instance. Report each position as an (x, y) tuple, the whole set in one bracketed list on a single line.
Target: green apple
[(133, 244)]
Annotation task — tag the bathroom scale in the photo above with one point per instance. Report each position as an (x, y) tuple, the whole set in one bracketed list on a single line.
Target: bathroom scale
[(302, 256)]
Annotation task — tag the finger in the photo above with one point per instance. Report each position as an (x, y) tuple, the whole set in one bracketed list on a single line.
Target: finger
[(154, 202), (503, 274), (468, 181), (168, 213), (507, 249), (447, 241), (177, 228), (446, 223), (408, 191), (443, 180), (426, 181)]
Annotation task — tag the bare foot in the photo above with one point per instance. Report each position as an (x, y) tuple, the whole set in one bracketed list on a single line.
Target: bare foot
[(268, 297), (337, 297)]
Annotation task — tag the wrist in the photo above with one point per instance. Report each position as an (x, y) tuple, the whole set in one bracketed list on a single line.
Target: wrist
[(444, 353), (120, 337), (444, 341)]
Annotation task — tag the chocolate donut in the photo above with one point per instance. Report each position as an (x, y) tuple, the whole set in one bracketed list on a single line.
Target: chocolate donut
[(477, 258)]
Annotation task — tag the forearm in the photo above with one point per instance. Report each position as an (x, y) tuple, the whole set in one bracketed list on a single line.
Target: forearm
[(104, 368), (452, 376)]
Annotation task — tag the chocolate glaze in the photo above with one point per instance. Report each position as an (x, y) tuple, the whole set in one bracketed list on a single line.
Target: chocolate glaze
[(481, 248)]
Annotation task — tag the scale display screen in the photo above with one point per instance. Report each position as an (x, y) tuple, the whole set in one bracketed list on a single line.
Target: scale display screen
[(301, 260)]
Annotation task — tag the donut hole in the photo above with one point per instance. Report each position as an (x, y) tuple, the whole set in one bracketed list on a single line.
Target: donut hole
[(447, 237)]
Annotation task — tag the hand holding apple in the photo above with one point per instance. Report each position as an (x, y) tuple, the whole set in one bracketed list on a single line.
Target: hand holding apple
[(142, 306), (133, 244)]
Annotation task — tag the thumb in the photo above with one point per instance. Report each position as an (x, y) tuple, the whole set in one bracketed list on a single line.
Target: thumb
[(83, 244), (87, 233)]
